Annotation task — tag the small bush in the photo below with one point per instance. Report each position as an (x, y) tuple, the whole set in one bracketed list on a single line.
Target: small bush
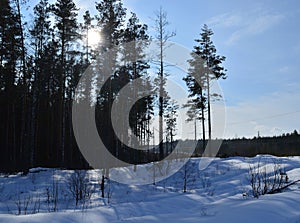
[(264, 182)]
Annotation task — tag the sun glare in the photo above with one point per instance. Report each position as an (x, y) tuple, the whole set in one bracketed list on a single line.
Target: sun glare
[(94, 37)]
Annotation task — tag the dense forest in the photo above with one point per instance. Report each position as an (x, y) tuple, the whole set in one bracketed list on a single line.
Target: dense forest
[(44, 57), (41, 64)]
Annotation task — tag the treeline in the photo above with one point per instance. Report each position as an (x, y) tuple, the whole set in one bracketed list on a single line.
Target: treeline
[(287, 144), (42, 60), (284, 145)]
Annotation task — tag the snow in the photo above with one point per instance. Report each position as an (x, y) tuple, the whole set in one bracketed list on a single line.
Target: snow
[(219, 193)]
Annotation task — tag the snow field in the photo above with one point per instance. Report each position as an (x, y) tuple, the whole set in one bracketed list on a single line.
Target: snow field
[(219, 193)]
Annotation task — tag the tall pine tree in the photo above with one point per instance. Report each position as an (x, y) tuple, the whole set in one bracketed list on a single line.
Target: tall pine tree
[(205, 66), (65, 12)]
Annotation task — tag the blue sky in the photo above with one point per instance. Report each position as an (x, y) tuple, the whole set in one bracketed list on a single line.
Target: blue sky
[(261, 41)]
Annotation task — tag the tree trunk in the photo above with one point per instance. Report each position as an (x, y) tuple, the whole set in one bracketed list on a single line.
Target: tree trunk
[(161, 112), (203, 123), (209, 114)]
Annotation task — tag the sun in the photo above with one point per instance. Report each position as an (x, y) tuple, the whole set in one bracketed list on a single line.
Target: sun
[(94, 37)]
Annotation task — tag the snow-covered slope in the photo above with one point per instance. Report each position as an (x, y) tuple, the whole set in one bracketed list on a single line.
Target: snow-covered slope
[(220, 193)]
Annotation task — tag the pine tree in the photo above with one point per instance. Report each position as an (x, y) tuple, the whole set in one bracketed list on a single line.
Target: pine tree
[(195, 81), (45, 66), (87, 26), (65, 12), (135, 68), (205, 66), (40, 33), (110, 20), (207, 51), (171, 122), (41, 30)]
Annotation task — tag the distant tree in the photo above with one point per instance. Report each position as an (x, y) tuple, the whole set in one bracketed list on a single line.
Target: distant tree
[(295, 133), (171, 116)]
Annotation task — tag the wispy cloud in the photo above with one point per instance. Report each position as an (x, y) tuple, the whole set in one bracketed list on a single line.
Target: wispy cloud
[(225, 20), (245, 24), (255, 26)]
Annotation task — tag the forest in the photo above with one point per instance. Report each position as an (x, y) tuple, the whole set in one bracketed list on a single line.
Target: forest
[(44, 57)]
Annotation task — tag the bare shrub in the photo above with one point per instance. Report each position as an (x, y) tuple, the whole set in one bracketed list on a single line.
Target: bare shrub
[(27, 205), (109, 190), (105, 188), (52, 196), (264, 182), (79, 187), (188, 175)]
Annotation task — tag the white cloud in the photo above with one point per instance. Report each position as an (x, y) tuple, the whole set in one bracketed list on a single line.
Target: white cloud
[(254, 26), (225, 20), (245, 24)]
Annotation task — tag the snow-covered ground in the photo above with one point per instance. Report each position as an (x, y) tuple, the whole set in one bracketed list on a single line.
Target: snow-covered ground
[(219, 193)]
